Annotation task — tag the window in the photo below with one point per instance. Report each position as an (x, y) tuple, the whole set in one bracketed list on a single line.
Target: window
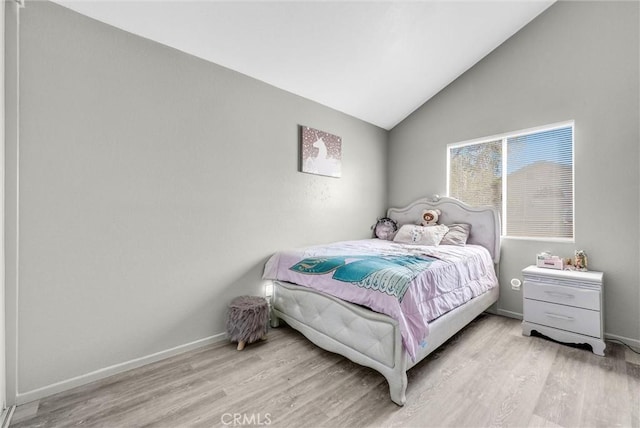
[(527, 176)]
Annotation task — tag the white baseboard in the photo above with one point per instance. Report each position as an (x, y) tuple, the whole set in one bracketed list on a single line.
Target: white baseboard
[(6, 416), (510, 314), (631, 342), (36, 394)]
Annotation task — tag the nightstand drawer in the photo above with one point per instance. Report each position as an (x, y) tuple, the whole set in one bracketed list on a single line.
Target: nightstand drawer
[(577, 320), (563, 295)]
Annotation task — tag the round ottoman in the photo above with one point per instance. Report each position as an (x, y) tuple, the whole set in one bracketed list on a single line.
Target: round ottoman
[(247, 320)]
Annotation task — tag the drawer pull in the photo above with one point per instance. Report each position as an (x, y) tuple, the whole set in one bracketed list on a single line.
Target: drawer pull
[(558, 294), (560, 317)]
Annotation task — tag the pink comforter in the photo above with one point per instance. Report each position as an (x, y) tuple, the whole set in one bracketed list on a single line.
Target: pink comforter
[(411, 283)]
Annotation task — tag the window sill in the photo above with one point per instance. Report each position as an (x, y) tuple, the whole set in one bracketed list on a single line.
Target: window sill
[(540, 239)]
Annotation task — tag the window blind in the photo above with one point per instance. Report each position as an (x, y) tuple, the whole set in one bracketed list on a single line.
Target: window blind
[(540, 184), (526, 176)]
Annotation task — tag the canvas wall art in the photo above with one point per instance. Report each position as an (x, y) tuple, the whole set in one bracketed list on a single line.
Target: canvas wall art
[(320, 152)]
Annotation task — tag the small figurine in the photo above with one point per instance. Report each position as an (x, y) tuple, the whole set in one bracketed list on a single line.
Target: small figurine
[(568, 264), (581, 260)]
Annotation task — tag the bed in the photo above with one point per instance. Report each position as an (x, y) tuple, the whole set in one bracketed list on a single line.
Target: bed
[(387, 342)]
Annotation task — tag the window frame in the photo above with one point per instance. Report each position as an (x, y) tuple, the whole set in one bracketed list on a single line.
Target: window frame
[(503, 137)]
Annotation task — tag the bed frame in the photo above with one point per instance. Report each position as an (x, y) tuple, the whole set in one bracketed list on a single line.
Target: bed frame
[(372, 339)]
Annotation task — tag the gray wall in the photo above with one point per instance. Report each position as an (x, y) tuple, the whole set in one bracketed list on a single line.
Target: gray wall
[(10, 193), (152, 188), (151, 185), (577, 60)]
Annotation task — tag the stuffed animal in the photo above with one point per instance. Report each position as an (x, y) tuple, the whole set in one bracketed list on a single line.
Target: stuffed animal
[(385, 228), (581, 260), (430, 217)]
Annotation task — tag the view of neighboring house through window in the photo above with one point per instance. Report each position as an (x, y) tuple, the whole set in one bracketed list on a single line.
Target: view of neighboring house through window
[(526, 175)]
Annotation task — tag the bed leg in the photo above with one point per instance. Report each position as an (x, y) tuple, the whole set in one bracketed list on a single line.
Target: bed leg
[(398, 389), (275, 321)]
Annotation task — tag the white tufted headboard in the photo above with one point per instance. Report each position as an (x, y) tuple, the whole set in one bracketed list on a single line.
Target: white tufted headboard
[(484, 221)]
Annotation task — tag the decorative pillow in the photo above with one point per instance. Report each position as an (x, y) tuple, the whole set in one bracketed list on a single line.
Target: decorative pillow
[(421, 235), (457, 234)]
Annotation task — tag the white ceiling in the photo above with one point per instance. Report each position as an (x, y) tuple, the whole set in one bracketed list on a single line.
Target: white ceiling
[(375, 60)]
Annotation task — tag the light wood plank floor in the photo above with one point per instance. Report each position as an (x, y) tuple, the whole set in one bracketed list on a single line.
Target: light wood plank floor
[(486, 375)]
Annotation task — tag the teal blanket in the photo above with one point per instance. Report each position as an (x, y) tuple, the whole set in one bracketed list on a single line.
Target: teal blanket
[(386, 274)]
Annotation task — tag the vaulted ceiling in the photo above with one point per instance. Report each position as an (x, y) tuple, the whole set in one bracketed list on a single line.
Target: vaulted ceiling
[(374, 60)]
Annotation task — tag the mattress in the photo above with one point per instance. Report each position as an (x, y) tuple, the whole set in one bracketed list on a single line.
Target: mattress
[(413, 284)]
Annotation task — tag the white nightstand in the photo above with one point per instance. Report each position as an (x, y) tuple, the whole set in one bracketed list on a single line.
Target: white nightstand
[(564, 305)]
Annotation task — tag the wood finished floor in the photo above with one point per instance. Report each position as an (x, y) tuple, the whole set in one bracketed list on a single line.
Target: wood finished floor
[(486, 375)]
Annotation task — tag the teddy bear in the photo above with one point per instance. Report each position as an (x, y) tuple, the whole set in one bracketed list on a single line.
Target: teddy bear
[(430, 217)]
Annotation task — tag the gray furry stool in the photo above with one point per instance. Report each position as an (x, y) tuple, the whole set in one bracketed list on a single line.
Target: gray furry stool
[(247, 320)]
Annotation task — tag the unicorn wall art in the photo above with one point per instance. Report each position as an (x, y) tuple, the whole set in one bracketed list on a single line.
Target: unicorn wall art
[(320, 152)]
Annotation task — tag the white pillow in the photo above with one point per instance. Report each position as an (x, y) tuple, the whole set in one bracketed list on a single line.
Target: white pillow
[(421, 235), (458, 234)]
